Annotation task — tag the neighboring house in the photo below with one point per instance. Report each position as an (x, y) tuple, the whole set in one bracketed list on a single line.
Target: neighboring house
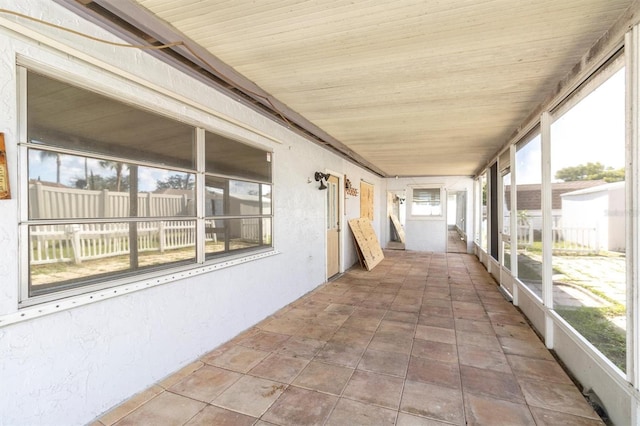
[(595, 216), (529, 204)]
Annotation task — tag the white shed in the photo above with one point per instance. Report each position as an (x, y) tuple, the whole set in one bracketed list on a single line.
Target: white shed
[(596, 216)]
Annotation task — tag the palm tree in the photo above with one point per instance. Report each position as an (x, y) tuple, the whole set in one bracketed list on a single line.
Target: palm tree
[(118, 167), (51, 154)]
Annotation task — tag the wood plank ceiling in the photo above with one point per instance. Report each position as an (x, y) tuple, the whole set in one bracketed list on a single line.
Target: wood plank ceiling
[(415, 87)]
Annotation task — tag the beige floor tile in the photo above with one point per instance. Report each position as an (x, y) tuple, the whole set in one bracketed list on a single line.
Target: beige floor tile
[(354, 413), (451, 345), (553, 418), (238, 358), (282, 325), (300, 347), (316, 331), (484, 341), (353, 337), (375, 389), (408, 317), (360, 323), (436, 334), (492, 384), (206, 383), (392, 363), (434, 372), (130, 405), (401, 328), (558, 397), (537, 369), (165, 409), (405, 419), (434, 321), (476, 327), (437, 311), (340, 308), (532, 348), (340, 354), (474, 356), (280, 368), (264, 341), (509, 319), (391, 342), (442, 404), (217, 416), (180, 374), (300, 407), (250, 395), (482, 411), (437, 351), (516, 331), (328, 378)]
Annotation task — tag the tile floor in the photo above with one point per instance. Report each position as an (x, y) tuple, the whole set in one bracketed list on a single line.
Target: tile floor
[(423, 339)]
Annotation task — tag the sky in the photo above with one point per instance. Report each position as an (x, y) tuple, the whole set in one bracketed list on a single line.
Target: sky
[(591, 131), (72, 168)]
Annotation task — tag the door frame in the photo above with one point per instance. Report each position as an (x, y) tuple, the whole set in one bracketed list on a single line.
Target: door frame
[(342, 216)]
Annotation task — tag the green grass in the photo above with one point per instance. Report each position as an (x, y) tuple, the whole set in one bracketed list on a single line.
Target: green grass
[(595, 325)]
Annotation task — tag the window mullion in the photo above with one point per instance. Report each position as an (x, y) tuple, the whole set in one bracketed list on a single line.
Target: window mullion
[(632, 56), (200, 196), (547, 237)]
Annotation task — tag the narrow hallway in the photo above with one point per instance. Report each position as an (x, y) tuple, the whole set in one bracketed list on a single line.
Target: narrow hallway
[(454, 243)]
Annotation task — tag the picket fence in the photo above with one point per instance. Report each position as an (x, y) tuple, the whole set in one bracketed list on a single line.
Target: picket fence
[(88, 241), (579, 240)]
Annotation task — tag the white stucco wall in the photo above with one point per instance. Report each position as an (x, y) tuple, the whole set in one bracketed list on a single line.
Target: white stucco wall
[(72, 364)]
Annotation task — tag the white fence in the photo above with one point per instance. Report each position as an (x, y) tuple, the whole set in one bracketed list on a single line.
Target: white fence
[(88, 241), (47, 202), (75, 243), (565, 240)]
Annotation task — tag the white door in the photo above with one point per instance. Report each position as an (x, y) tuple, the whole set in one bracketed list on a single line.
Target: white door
[(333, 227)]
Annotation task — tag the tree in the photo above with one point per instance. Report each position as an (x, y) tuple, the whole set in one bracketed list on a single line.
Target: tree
[(590, 171), (118, 167), (50, 154), (98, 183), (176, 182)]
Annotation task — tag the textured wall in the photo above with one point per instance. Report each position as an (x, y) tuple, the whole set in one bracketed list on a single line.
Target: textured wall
[(70, 365)]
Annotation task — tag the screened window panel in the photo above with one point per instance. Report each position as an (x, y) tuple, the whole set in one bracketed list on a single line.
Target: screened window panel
[(112, 191), (227, 197), (589, 229), (224, 156), (65, 116), (231, 235), (65, 186), (63, 257)]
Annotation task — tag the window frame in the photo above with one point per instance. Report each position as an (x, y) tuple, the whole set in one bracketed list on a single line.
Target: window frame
[(131, 279), (418, 216)]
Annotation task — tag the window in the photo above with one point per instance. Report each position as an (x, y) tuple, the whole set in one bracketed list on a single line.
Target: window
[(528, 235), (112, 191), (483, 212), (426, 202), (589, 226), (506, 219)]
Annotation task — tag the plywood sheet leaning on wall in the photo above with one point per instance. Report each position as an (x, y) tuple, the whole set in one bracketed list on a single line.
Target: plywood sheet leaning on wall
[(369, 250), (397, 226), (366, 200)]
